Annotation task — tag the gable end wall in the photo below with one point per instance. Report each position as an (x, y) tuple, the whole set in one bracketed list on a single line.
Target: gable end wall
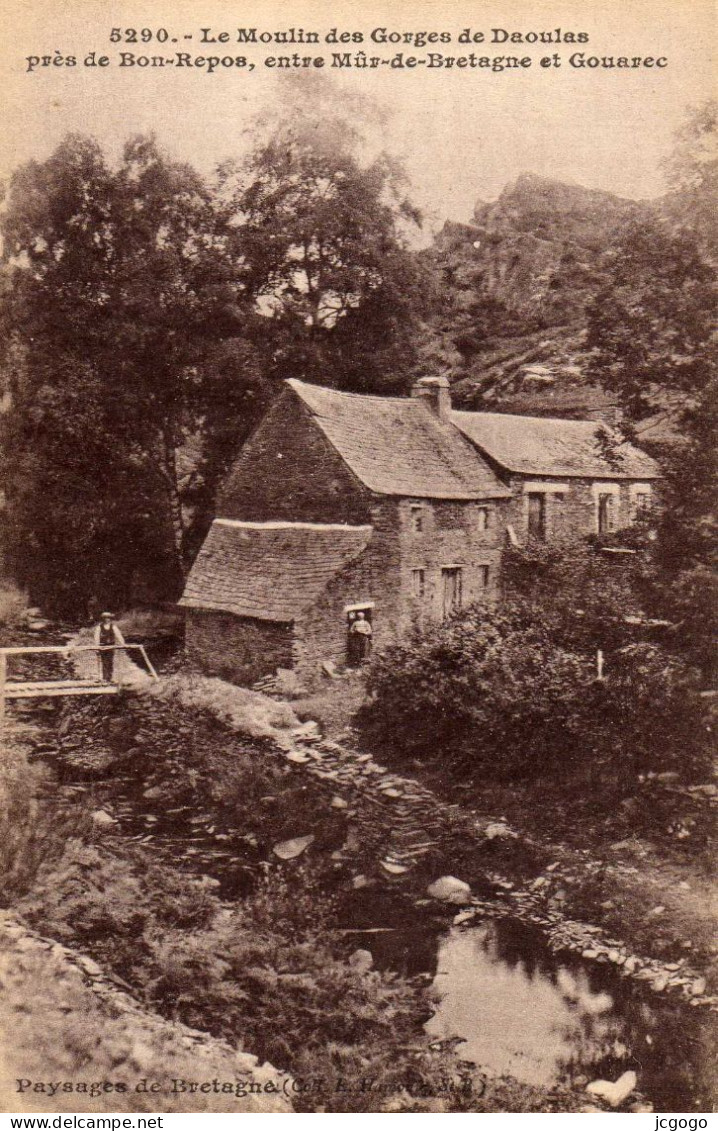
[(288, 471)]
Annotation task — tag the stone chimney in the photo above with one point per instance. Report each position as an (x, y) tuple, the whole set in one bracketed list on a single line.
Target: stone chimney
[(434, 393)]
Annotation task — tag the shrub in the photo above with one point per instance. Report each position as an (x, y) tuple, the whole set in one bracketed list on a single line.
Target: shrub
[(492, 693), (581, 594), (270, 975)]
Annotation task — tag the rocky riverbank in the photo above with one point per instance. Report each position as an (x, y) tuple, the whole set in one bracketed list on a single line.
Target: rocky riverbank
[(171, 776)]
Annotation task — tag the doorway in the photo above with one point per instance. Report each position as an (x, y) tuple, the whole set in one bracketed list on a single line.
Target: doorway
[(451, 590), (360, 633)]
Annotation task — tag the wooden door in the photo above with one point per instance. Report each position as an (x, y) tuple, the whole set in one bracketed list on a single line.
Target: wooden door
[(451, 590)]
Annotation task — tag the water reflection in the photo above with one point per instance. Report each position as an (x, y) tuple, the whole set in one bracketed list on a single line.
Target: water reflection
[(517, 1018), (523, 1012)]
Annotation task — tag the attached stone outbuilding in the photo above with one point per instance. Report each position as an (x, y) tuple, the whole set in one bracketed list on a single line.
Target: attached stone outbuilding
[(568, 478), (262, 597)]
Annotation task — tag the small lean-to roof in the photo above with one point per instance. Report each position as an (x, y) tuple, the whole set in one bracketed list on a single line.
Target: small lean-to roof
[(537, 445), (269, 570), (396, 446)]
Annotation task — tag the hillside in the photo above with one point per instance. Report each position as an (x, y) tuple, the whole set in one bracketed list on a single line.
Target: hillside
[(515, 284)]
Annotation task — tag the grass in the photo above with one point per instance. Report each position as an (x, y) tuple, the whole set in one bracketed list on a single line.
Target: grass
[(243, 711), (34, 829)]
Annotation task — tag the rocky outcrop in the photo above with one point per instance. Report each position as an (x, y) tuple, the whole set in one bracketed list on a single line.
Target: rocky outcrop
[(535, 249)]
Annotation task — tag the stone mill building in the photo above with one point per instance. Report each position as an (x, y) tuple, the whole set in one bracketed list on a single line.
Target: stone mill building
[(395, 508)]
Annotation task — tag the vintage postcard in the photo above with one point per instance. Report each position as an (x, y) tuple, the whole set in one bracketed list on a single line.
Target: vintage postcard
[(357, 669)]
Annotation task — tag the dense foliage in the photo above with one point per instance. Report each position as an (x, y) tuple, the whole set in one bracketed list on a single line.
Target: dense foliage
[(515, 693), (112, 290), (320, 225), (146, 320)]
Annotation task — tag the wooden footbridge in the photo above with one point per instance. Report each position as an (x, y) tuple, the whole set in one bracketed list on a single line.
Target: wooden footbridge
[(87, 685)]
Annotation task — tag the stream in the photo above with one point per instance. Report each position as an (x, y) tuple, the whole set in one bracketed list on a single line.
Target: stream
[(511, 1005), (514, 1007)]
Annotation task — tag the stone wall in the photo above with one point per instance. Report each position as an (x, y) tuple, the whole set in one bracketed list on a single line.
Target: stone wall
[(373, 579), (571, 505), (240, 649), (438, 534), (289, 471), (460, 534)]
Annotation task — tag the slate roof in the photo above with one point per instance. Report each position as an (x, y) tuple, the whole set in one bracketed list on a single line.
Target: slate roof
[(269, 570), (534, 445), (396, 447)]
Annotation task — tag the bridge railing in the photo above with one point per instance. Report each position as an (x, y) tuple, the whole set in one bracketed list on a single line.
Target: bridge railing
[(65, 651)]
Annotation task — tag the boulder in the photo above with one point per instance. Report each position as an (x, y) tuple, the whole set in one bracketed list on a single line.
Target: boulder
[(449, 890), (361, 961), (497, 830), (289, 849), (102, 820), (613, 1093), (393, 868)]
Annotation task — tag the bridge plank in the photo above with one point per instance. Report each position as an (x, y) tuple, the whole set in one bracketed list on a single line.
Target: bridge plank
[(59, 687)]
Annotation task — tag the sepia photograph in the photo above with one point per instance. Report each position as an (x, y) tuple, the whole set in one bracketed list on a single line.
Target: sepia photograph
[(357, 560)]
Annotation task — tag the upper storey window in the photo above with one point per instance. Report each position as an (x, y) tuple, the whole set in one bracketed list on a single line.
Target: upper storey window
[(418, 515)]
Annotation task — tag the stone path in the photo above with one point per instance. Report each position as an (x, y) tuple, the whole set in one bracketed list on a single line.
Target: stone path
[(416, 817)]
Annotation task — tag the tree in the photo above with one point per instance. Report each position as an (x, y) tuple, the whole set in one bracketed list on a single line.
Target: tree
[(320, 231), (650, 326), (118, 286), (652, 335), (692, 171)]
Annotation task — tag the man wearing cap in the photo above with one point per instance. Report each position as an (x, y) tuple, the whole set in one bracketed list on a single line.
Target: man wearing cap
[(107, 633)]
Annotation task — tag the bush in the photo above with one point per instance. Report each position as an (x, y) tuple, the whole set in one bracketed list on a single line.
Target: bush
[(270, 975), (580, 593), (493, 693)]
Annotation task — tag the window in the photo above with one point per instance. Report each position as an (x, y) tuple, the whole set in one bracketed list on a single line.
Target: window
[(417, 518), (537, 515), (484, 575), (606, 512), (640, 500), (451, 590), (418, 582), (482, 518)]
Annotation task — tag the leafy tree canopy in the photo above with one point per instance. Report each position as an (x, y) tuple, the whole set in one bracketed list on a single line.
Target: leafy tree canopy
[(116, 285), (320, 225)]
